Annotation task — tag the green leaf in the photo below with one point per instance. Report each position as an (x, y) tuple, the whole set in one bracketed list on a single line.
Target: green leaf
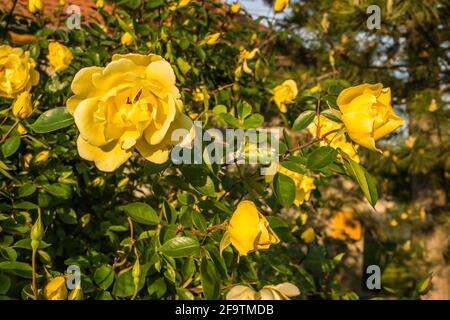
[(124, 286), (157, 288), (152, 168), (228, 118), (180, 247), (58, 190), (26, 244), (366, 181), (284, 188), (255, 121), (5, 283), (244, 109), (26, 205), (20, 269), (303, 120), (141, 213), (26, 190), (424, 286), (210, 280), (183, 65), (294, 166), (51, 120), (333, 115), (10, 146), (8, 253), (321, 157), (104, 276)]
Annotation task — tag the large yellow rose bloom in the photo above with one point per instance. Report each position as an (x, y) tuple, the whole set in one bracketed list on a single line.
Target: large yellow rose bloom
[(285, 93), (249, 230), (17, 72), (368, 114), (59, 56), (22, 107), (132, 103)]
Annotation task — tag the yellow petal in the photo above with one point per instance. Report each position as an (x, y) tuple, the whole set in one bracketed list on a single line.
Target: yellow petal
[(393, 123), (91, 129), (107, 158), (244, 227)]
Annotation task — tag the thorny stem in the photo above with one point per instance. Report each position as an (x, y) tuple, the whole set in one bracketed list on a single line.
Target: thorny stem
[(33, 274)]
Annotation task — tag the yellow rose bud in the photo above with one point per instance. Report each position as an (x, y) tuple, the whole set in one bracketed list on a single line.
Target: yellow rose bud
[(344, 226), (249, 230), (303, 218), (280, 5), (285, 93), (98, 182), (59, 56), (126, 39), (26, 160), (236, 7), (386, 153), (404, 216), (42, 157), (303, 185), (123, 182), (212, 38), (367, 113), (308, 235), (410, 141), (76, 294), (132, 103), (23, 107), (21, 130), (183, 3), (56, 289), (433, 106), (17, 72), (35, 5), (198, 95), (393, 223), (99, 4), (85, 219), (315, 89)]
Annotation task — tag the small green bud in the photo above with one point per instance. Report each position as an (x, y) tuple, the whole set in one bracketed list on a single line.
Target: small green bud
[(136, 272), (37, 230)]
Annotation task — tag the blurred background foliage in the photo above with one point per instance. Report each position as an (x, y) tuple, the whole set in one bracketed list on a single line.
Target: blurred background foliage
[(324, 45)]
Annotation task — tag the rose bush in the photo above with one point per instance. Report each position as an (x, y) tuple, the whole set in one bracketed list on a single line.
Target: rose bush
[(87, 179)]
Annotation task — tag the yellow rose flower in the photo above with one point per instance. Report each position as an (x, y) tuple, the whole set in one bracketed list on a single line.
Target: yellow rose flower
[(236, 7), (21, 130), (56, 289), (131, 103), (285, 93), (183, 3), (99, 3), (303, 185), (308, 235), (367, 113), (249, 230), (244, 56), (59, 56), (336, 140), (344, 226), (35, 5), (280, 5), (126, 39), (315, 89), (17, 72), (23, 107), (212, 38)]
